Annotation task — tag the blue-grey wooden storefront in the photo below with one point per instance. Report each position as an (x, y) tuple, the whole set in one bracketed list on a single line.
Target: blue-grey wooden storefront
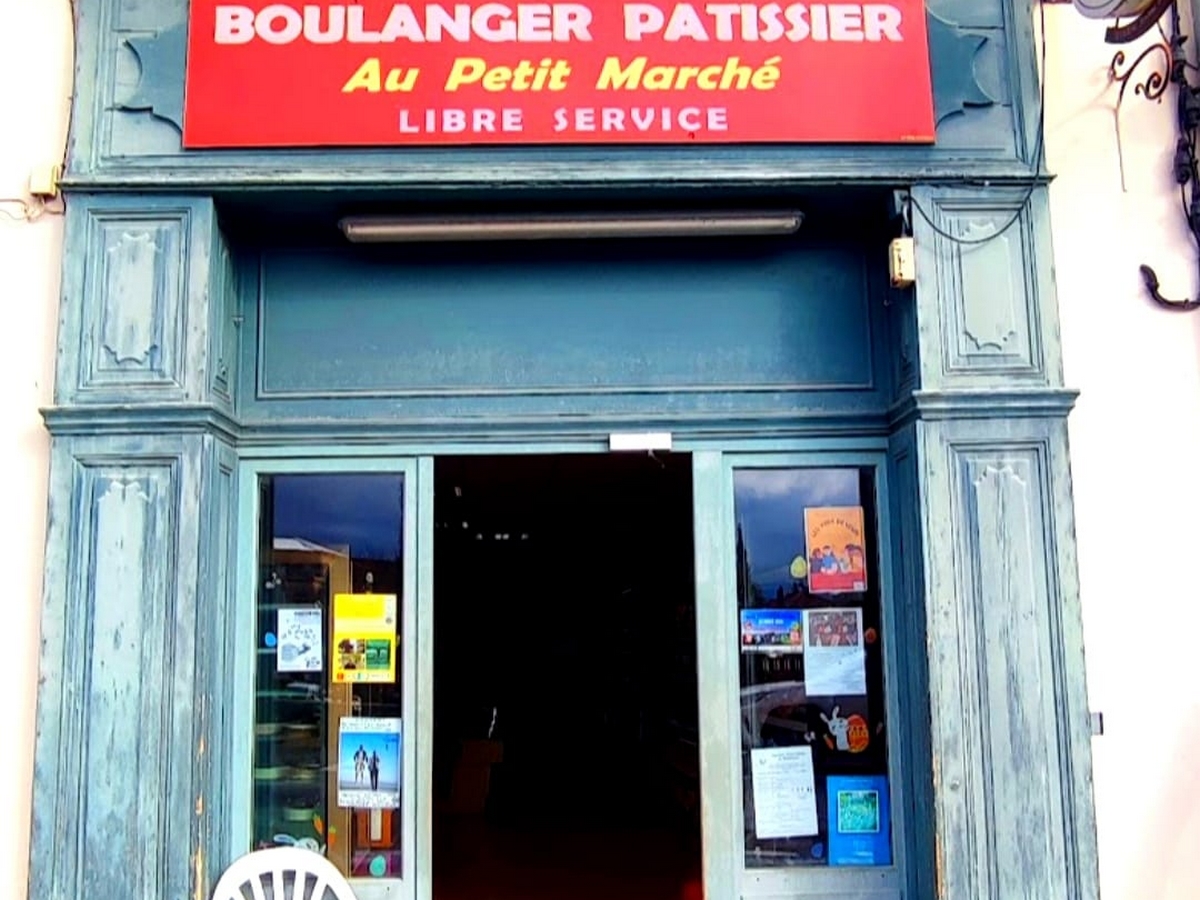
[(182, 356)]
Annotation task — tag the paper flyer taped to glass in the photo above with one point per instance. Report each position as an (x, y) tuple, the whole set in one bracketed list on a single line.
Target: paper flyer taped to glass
[(772, 631), (299, 643), (837, 561), (785, 796), (364, 638), (369, 763), (835, 659), (859, 820)]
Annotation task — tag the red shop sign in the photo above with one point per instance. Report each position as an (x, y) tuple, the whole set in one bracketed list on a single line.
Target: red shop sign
[(379, 73)]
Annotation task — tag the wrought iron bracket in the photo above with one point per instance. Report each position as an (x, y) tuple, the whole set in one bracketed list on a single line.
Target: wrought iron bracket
[(1170, 52)]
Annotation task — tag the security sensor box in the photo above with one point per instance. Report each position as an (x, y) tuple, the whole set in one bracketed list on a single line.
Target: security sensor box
[(902, 263)]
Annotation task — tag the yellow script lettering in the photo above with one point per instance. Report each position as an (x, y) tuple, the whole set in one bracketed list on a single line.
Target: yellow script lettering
[(615, 78), (638, 74), (401, 80), (466, 70), (369, 77)]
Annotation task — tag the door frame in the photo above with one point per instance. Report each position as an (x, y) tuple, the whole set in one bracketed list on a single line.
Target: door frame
[(244, 609), (725, 871), (718, 690)]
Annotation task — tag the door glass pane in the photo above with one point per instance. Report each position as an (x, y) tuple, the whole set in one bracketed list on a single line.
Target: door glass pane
[(814, 736), (328, 736)]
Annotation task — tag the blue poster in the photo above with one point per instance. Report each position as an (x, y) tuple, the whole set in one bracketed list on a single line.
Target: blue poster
[(860, 826)]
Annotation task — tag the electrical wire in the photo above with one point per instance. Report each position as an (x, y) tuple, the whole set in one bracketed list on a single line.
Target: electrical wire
[(28, 211), (1038, 157), (32, 210)]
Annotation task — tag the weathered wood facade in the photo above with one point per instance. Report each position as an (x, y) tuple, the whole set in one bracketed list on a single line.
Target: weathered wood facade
[(180, 356)]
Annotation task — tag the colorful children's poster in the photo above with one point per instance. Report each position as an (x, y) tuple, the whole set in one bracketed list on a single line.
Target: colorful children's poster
[(364, 638), (772, 631), (837, 556), (785, 796), (369, 769), (835, 659), (298, 645), (859, 820)]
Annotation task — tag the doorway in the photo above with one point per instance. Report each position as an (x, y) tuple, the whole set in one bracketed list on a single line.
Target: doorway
[(566, 759)]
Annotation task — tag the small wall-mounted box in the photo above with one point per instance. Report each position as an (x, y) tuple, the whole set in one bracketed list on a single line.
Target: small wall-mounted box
[(43, 182), (902, 262)]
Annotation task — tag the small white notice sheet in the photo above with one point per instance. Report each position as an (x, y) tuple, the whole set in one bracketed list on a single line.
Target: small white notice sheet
[(298, 639), (785, 797), (835, 659)]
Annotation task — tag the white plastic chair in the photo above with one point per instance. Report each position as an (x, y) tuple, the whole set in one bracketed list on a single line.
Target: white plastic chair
[(283, 873)]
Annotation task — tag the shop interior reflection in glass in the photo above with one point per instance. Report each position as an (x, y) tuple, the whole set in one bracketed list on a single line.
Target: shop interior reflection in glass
[(328, 736), (814, 738)]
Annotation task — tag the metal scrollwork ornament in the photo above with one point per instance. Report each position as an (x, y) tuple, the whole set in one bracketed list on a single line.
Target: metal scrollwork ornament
[(1171, 55)]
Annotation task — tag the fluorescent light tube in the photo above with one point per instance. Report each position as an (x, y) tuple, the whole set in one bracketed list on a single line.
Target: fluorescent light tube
[(397, 229)]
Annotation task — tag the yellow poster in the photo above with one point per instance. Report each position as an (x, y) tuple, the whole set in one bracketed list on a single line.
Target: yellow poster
[(364, 638)]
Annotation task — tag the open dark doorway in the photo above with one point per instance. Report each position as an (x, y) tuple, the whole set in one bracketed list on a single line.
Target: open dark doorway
[(566, 761)]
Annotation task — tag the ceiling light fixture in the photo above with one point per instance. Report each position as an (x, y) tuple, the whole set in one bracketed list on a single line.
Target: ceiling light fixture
[(398, 229)]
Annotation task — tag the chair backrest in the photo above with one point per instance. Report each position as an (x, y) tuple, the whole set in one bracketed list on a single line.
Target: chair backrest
[(282, 873)]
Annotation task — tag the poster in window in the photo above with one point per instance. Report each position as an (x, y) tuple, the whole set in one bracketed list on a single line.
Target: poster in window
[(369, 770), (835, 659), (772, 631), (859, 820), (298, 639), (837, 558), (785, 796), (364, 638)]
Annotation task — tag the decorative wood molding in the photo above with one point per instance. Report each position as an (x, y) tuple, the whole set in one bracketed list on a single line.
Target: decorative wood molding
[(130, 750), (956, 87), (1011, 738), (149, 311), (985, 301)]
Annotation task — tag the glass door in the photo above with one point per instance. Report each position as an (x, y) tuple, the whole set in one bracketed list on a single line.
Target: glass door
[(797, 672), (330, 614)]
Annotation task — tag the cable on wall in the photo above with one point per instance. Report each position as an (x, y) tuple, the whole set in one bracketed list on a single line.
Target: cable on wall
[(1039, 153), (27, 210)]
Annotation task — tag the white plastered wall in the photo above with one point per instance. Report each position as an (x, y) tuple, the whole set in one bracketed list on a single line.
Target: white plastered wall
[(1134, 439), (35, 88)]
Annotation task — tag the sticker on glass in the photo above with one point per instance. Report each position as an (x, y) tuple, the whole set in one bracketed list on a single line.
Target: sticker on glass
[(369, 753), (837, 561), (848, 734), (298, 640)]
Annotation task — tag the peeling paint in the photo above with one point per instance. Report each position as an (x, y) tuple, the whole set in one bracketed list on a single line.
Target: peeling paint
[(939, 865), (939, 848), (199, 889)]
